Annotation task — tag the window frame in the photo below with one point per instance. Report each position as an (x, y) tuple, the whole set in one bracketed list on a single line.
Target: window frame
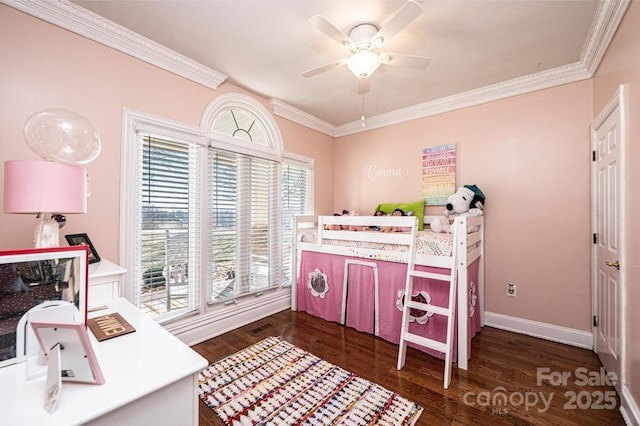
[(135, 122), (309, 164), (243, 264)]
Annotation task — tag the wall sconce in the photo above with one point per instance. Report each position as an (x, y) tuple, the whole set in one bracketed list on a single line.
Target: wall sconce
[(43, 188)]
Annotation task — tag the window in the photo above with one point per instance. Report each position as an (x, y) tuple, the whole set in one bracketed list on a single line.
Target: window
[(168, 232), (243, 213), (296, 199), (206, 217), (240, 124)]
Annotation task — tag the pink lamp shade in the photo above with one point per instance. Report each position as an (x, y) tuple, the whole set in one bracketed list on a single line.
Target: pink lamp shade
[(36, 186)]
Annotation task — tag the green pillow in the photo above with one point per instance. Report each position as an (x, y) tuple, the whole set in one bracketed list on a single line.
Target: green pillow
[(417, 208)]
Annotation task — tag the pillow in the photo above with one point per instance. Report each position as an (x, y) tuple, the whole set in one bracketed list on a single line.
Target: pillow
[(415, 209)]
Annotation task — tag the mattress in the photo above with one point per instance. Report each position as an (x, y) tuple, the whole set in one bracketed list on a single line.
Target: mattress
[(427, 243)]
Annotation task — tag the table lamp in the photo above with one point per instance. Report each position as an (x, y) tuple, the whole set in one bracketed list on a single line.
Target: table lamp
[(44, 188)]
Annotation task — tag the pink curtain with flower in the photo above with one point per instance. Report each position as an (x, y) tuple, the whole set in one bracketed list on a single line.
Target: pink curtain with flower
[(321, 293)]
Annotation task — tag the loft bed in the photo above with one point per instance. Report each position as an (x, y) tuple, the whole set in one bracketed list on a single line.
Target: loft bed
[(352, 272)]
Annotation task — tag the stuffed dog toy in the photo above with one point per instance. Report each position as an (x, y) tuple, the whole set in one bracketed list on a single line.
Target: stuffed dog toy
[(468, 200)]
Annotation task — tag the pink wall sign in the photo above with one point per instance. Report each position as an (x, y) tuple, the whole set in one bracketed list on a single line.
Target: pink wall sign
[(438, 173)]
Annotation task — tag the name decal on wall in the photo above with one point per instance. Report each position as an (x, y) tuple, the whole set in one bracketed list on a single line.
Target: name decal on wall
[(373, 172)]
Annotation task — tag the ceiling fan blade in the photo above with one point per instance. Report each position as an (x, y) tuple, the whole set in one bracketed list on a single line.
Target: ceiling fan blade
[(320, 23), (408, 61), (403, 17), (363, 85), (323, 68)]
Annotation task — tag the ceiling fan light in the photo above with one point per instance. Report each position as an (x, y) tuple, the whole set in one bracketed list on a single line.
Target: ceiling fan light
[(363, 63)]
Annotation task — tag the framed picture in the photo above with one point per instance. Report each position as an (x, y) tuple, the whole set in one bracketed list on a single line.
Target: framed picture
[(83, 240), (32, 277), (78, 362)]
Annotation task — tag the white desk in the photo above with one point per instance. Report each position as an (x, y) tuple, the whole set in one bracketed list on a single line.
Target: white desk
[(151, 379)]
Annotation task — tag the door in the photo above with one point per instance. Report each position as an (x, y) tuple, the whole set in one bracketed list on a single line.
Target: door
[(607, 211)]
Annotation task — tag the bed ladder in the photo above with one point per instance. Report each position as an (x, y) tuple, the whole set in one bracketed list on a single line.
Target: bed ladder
[(449, 312)]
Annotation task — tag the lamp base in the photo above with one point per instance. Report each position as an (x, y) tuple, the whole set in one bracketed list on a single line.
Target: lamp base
[(47, 232)]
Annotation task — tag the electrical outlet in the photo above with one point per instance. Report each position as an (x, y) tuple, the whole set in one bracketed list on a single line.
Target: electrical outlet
[(511, 289)]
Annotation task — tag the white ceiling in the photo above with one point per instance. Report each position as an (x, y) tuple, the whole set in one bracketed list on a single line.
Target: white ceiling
[(265, 45)]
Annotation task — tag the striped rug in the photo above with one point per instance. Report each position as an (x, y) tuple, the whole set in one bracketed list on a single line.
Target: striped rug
[(276, 383)]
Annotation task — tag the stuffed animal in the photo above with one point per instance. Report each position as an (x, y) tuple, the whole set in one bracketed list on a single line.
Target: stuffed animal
[(397, 212), (468, 200), (353, 227), (334, 227), (347, 227)]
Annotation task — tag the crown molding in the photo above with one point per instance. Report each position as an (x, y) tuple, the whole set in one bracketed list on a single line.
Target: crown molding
[(83, 22), (517, 86), (605, 23), (74, 18), (604, 26), (296, 115)]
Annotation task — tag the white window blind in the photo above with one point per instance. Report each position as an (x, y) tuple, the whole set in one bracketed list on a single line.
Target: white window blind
[(168, 234), (295, 200), (243, 223)]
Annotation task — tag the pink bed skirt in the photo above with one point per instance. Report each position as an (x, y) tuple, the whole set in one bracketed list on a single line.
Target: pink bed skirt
[(321, 293)]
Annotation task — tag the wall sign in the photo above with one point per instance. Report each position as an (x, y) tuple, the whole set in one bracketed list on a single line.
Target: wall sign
[(374, 172), (438, 173)]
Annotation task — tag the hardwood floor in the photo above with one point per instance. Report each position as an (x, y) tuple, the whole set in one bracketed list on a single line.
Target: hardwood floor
[(503, 365)]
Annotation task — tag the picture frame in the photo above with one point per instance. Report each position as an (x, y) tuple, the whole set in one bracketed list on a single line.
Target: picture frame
[(83, 239), (30, 278), (78, 362)]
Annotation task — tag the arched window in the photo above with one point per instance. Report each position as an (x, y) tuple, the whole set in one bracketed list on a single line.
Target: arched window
[(241, 117), (242, 124)]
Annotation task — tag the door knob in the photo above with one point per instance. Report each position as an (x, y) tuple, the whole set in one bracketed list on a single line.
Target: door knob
[(615, 264)]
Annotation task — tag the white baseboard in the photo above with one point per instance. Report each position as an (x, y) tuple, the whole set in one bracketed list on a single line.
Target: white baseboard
[(229, 318), (629, 408), (555, 333), (628, 405)]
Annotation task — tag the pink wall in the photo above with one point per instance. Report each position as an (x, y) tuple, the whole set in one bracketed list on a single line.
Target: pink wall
[(530, 156), (44, 67), (621, 65)]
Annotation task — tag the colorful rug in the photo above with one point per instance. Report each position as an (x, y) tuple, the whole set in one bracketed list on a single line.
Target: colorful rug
[(276, 383)]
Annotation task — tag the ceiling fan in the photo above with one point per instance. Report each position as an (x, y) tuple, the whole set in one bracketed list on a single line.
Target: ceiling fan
[(364, 40)]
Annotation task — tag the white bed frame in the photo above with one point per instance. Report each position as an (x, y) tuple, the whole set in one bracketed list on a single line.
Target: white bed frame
[(468, 233)]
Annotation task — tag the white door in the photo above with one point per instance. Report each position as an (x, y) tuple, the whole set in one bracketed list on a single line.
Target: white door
[(607, 209)]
